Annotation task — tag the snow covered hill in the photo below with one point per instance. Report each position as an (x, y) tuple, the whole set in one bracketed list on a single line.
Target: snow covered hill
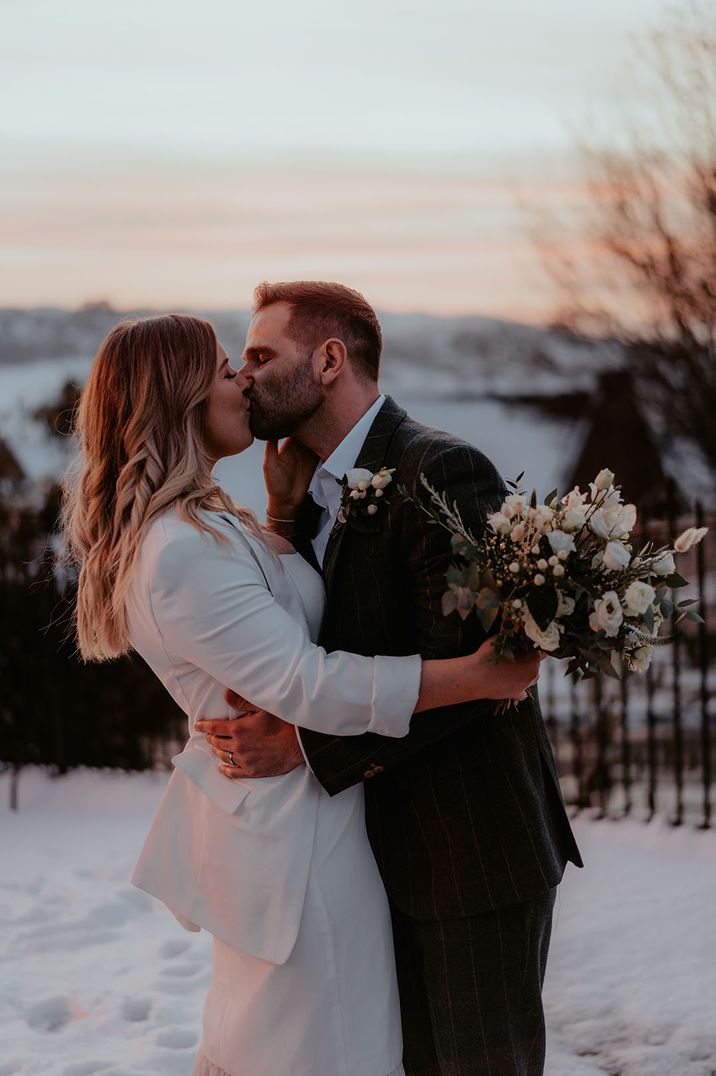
[(437, 354)]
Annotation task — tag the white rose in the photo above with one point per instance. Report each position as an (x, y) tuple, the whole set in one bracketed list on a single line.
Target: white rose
[(356, 476), (664, 564), (543, 640), (560, 541), (607, 615), (638, 660), (613, 520), (499, 523), (372, 509), (691, 536), (518, 533), (638, 596), (515, 504), (616, 556), (565, 605), (604, 479), (574, 518)]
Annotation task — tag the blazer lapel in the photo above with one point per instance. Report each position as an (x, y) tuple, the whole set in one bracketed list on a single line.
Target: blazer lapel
[(371, 456)]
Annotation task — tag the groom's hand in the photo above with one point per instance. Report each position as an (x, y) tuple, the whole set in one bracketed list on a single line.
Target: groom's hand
[(259, 743)]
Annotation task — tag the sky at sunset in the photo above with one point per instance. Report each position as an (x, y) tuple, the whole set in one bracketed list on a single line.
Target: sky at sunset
[(172, 154)]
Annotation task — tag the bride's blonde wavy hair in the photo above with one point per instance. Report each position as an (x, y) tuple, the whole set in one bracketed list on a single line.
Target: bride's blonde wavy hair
[(140, 422)]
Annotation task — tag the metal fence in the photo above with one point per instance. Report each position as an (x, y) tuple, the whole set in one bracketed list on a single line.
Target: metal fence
[(646, 745)]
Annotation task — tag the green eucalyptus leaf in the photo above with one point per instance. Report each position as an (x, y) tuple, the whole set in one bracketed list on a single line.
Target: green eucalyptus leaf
[(667, 607)]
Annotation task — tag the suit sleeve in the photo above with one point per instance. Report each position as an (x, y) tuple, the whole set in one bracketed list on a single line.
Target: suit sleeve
[(214, 611), (473, 483)]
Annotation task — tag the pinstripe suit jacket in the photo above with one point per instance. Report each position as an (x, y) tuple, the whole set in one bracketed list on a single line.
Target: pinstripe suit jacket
[(465, 812)]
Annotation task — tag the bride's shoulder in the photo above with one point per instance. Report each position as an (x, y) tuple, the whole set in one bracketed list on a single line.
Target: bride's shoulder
[(177, 557), (170, 537)]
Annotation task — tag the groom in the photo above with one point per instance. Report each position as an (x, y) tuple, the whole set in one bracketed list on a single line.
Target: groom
[(464, 814)]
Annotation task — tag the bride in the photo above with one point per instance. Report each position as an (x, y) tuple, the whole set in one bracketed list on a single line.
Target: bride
[(280, 873)]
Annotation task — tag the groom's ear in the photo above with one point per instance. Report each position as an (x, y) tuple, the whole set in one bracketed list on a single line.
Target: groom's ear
[(333, 359)]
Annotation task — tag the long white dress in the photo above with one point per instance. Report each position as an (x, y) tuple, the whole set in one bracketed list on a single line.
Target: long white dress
[(332, 1009), (282, 874)]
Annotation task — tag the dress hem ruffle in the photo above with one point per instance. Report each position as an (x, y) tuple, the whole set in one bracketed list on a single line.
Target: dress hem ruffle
[(204, 1067)]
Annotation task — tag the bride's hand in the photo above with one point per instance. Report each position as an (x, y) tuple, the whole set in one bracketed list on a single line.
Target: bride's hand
[(287, 472)]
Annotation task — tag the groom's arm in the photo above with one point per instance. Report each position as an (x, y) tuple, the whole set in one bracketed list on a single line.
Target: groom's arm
[(469, 479)]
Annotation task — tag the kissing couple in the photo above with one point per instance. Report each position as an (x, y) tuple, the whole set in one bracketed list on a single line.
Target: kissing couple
[(374, 843)]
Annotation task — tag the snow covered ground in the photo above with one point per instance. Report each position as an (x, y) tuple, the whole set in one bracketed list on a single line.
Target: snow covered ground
[(98, 979)]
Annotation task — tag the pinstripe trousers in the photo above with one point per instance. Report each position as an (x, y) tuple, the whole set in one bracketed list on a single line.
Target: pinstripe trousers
[(471, 990)]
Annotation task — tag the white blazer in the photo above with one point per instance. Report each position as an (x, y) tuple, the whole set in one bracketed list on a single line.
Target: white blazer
[(233, 856)]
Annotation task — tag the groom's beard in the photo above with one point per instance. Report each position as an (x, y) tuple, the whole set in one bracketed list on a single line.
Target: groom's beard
[(280, 410)]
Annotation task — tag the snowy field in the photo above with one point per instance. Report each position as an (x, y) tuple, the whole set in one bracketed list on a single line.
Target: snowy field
[(98, 979)]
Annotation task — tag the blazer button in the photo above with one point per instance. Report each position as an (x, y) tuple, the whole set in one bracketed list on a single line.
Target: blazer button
[(374, 769)]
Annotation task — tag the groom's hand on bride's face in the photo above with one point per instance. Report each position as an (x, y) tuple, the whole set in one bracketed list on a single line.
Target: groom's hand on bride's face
[(256, 742)]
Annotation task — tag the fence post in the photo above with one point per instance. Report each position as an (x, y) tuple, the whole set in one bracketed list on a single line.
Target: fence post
[(625, 743), (601, 775), (576, 738), (676, 722), (703, 674), (651, 757)]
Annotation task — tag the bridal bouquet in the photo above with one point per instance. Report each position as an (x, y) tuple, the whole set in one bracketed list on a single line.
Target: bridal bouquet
[(563, 576)]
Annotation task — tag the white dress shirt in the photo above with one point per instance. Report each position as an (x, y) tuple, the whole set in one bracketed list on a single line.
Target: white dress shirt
[(325, 488)]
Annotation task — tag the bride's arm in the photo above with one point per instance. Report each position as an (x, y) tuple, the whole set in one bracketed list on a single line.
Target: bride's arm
[(214, 610)]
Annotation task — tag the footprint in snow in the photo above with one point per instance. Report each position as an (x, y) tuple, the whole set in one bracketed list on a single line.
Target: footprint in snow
[(177, 1038), (136, 1009), (87, 1068), (174, 947), (182, 971), (50, 1014)]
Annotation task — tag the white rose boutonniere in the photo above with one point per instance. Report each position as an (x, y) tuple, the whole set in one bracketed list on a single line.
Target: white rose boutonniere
[(363, 491)]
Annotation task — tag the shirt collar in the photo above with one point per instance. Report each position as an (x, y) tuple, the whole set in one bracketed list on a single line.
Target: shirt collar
[(346, 453)]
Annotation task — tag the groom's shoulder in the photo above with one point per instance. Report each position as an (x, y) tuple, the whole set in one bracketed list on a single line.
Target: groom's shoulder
[(425, 450)]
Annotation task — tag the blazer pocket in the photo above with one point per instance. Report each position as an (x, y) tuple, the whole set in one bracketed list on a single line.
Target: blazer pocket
[(202, 769)]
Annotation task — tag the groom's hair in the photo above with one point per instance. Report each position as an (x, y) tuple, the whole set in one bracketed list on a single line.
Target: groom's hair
[(321, 310)]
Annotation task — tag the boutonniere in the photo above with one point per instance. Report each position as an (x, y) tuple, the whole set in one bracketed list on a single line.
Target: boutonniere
[(363, 492)]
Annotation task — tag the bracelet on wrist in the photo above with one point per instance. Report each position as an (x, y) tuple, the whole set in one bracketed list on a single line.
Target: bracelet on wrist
[(275, 519)]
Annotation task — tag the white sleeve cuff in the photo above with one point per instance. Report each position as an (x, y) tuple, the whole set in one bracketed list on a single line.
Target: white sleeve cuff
[(396, 686)]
